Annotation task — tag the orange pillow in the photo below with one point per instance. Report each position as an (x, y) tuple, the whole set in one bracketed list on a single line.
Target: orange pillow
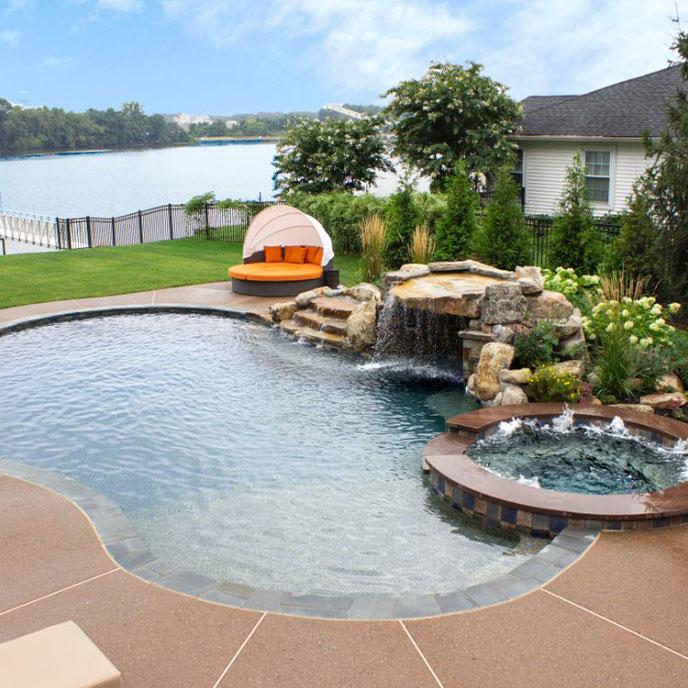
[(273, 254), (295, 254), (314, 255)]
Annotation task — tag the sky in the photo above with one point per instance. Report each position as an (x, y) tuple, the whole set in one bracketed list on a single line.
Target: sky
[(233, 56)]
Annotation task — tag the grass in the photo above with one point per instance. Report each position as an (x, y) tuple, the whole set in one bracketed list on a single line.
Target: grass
[(39, 277)]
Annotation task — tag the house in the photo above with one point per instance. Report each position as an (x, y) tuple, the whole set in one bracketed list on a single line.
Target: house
[(605, 126)]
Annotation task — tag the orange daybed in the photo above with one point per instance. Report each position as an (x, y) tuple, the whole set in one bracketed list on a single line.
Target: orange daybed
[(286, 252)]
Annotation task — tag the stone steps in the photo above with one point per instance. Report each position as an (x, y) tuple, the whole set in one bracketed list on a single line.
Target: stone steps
[(334, 307), (316, 321), (312, 335)]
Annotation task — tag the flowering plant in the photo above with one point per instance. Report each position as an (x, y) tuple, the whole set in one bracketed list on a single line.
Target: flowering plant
[(580, 290), (549, 384)]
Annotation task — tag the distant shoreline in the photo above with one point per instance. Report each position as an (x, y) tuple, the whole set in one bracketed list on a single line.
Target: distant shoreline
[(205, 141)]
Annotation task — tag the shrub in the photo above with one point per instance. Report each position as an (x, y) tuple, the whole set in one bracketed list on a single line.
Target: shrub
[(402, 216), (502, 239), (458, 223), (372, 247), (572, 242), (422, 245), (549, 384), (537, 347), (581, 290)]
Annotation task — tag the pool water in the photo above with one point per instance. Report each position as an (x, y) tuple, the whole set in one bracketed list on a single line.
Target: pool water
[(581, 458), (246, 456)]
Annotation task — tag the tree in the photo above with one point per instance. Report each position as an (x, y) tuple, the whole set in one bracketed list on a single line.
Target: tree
[(333, 155), (572, 242), (502, 239), (456, 226), (668, 189), (401, 217), (452, 113)]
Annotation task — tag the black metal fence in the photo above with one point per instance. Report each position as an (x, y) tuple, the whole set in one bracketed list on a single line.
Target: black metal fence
[(604, 233), (157, 224)]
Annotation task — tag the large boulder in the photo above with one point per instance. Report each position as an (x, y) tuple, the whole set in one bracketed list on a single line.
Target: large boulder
[(494, 357), (404, 273), (550, 305), (569, 327), (530, 279), (669, 383), (283, 310), (363, 292), (512, 394), (639, 408), (668, 400), (503, 303), (519, 376), (573, 367), (304, 299), (360, 326)]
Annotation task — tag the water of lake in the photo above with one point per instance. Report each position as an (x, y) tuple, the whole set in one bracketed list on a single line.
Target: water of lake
[(115, 183)]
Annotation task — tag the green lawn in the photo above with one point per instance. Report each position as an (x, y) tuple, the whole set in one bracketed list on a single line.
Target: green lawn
[(37, 277)]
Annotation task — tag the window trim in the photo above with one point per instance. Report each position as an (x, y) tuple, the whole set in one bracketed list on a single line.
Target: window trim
[(609, 203)]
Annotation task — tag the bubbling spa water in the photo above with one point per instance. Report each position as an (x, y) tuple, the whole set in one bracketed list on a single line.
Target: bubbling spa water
[(568, 457)]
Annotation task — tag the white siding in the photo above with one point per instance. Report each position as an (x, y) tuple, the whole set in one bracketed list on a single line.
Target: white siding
[(545, 164)]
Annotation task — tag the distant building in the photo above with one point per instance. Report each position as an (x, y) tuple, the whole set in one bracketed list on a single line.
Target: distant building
[(605, 126), (185, 121)]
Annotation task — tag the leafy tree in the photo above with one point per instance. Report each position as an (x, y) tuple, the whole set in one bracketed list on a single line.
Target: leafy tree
[(401, 217), (668, 189), (572, 242), (502, 239), (332, 155), (452, 113), (456, 226)]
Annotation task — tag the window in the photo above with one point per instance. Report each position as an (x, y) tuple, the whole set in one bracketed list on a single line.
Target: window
[(597, 167)]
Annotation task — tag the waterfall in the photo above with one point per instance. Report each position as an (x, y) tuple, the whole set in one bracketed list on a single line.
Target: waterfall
[(418, 333)]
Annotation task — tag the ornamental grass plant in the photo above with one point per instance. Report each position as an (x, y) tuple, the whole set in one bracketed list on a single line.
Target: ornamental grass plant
[(422, 245), (372, 247)]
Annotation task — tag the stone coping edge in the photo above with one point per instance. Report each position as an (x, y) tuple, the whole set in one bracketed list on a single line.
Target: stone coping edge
[(130, 552), (119, 538)]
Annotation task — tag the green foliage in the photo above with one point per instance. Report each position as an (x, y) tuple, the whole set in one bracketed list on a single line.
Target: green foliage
[(537, 347), (667, 183), (502, 239), (572, 242), (195, 206), (635, 250), (452, 113), (456, 226), (401, 217), (581, 290), (550, 385), (47, 129), (333, 155), (341, 214)]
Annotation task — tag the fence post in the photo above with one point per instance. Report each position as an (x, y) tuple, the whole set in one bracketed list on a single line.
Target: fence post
[(169, 217), (69, 234), (114, 235), (57, 233), (140, 228), (88, 231), (207, 223)]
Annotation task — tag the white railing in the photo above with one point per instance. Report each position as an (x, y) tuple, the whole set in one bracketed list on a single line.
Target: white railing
[(28, 228)]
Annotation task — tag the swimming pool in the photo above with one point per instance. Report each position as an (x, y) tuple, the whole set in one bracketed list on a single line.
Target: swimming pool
[(246, 456)]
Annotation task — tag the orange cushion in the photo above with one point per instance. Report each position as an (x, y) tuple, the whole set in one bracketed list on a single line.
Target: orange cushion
[(294, 254), (273, 254), (314, 255), (275, 272)]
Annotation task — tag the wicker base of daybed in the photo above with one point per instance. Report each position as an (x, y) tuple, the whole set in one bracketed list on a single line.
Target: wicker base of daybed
[(291, 288)]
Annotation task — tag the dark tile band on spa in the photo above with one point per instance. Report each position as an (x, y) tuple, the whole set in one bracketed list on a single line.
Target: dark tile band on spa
[(131, 553)]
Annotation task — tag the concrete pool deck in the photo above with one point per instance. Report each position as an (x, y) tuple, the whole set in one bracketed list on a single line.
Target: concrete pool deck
[(616, 617)]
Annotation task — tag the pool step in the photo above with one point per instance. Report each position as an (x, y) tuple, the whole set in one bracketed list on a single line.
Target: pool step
[(313, 319), (335, 307), (315, 336)]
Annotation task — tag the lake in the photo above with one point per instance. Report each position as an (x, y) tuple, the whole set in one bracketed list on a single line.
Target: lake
[(115, 183)]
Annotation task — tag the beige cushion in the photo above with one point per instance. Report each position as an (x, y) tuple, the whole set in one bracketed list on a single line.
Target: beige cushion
[(60, 656)]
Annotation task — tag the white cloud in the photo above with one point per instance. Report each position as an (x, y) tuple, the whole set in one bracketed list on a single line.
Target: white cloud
[(16, 6), (358, 44), (121, 5), (54, 62), (574, 46), (10, 38)]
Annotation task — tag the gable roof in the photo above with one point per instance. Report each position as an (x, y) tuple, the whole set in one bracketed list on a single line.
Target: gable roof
[(624, 110)]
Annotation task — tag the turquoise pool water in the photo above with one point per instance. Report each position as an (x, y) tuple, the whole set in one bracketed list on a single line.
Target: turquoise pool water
[(247, 456)]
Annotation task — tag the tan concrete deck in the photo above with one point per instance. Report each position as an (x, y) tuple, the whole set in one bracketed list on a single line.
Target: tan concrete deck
[(617, 617)]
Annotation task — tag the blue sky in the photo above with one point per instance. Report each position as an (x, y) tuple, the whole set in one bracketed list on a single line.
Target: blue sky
[(228, 56)]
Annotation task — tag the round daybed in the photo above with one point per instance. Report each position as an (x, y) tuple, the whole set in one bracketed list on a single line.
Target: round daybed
[(286, 252)]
